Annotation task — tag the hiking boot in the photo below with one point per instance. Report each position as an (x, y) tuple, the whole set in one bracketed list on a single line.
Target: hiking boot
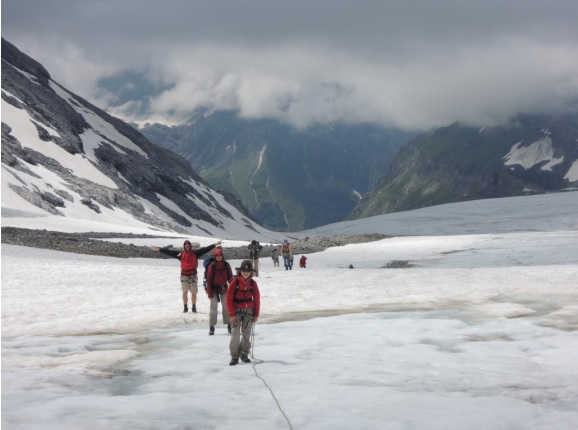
[(211, 330), (185, 309), (194, 310), (245, 359), (229, 328), (234, 362)]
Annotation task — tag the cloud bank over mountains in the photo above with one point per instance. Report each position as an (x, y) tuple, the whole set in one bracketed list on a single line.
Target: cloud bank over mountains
[(410, 65)]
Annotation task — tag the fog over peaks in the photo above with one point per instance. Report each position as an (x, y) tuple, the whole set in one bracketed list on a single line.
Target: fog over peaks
[(411, 65)]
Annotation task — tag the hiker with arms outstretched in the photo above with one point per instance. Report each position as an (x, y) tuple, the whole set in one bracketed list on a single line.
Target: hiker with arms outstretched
[(189, 258)]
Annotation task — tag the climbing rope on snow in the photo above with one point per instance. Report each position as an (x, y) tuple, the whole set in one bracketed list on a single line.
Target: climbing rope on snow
[(257, 361)]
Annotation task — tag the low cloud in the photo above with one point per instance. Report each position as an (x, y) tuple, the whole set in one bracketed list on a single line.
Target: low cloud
[(299, 85), (410, 66)]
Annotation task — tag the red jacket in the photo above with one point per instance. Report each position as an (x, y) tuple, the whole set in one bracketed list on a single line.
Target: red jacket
[(189, 260), (189, 263), (218, 275), (243, 295)]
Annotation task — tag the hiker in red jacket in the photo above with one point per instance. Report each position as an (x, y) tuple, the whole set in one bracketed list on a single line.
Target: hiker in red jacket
[(243, 305), (189, 262), (303, 262), (218, 275)]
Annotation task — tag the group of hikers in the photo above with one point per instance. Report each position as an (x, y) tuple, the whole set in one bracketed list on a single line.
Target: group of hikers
[(237, 292), (287, 254)]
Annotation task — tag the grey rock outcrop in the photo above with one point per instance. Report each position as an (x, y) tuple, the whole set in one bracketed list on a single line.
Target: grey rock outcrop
[(91, 243), (140, 171)]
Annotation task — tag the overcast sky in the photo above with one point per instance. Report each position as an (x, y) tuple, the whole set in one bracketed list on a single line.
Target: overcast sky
[(418, 63)]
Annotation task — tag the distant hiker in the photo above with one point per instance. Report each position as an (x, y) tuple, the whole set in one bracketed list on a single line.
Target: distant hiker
[(218, 275), (243, 305), (275, 257), (303, 262), (189, 262), (351, 266), (287, 255), (254, 250)]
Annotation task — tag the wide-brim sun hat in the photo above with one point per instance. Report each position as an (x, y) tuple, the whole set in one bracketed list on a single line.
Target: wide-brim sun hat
[(246, 266)]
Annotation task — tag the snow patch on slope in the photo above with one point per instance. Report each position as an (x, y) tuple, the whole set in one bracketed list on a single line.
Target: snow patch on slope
[(572, 174), (25, 131), (537, 152), (100, 126)]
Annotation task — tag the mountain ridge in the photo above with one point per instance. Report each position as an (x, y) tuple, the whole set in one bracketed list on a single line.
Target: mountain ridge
[(65, 157), (530, 154), (289, 179)]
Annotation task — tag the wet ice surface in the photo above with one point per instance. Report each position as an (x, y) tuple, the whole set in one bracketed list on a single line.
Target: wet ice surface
[(418, 369), (479, 333)]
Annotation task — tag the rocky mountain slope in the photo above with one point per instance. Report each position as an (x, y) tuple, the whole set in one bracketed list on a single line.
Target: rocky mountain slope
[(529, 155), (62, 156), (92, 243)]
